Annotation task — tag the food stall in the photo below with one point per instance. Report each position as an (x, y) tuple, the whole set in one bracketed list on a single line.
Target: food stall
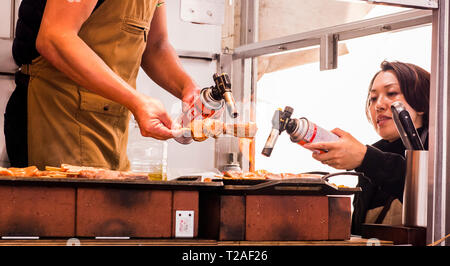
[(211, 192)]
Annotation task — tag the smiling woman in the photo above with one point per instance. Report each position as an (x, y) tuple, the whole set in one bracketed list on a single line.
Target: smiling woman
[(382, 163), (397, 82)]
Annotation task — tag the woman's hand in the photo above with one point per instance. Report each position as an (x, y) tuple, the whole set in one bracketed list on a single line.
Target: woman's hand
[(346, 153)]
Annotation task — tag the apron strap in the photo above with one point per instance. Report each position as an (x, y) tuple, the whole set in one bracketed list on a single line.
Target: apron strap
[(25, 69), (384, 211), (424, 135)]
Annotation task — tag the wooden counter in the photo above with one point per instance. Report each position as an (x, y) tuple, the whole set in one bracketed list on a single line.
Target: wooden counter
[(289, 212), (353, 241)]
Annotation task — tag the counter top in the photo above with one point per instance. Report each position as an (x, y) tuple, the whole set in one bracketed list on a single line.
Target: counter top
[(353, 241)]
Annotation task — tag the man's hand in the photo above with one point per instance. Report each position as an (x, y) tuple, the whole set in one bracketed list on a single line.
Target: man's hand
[(346, 153), (153, 119)]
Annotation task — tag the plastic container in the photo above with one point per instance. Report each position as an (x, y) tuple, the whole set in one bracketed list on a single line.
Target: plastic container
[(146, 155)]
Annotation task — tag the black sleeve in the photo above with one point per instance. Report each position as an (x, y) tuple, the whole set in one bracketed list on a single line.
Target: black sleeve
[(386, 170)]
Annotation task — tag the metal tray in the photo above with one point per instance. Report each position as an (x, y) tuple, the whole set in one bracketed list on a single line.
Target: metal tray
[(294, 186), (130, 183)]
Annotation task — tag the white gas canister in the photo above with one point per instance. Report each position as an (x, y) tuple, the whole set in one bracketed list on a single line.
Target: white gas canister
[(303, 131)]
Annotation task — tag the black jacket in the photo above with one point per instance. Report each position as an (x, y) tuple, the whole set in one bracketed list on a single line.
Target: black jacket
[(384, 166)]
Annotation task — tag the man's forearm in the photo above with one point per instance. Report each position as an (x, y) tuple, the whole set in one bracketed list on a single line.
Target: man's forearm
[(70, 55), (162, 65)]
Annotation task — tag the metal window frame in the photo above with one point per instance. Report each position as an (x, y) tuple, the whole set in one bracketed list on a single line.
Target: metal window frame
[(438, 166), (13, 19), (201, 55), (438, 206), (243, 74), (352, 30), (408, 3)]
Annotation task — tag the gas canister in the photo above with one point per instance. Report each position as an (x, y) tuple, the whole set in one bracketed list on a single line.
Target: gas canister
[(300, 130), (208, 104), (303, 131)]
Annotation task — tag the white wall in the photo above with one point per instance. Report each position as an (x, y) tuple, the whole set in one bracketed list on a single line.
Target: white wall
[(7, 86), (5, 17), (7, 65)]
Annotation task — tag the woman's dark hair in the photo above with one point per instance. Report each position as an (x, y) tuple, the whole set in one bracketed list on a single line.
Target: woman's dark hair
[(414, 84)]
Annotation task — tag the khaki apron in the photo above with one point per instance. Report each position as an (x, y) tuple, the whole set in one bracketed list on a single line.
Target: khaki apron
[(69, 124)]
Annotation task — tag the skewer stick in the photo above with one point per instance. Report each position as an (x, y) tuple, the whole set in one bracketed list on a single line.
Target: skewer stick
[(247, 130), (202, 129)]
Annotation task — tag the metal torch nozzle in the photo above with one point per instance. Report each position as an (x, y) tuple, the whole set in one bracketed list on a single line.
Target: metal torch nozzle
[(405, 126), (222, 90), (231, 104), (270, 143), (279, 121)]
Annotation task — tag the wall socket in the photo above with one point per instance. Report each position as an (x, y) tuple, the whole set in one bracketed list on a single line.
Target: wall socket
[(210, 12), (184, 224)]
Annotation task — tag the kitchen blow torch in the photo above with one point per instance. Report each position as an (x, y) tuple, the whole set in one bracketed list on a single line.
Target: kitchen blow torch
[(300, 130), (279, 121), (205, 105), (222, 90), (405, 126)]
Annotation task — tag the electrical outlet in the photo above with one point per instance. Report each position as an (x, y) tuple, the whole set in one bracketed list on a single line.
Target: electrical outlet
[(184, 224), (210, 12)]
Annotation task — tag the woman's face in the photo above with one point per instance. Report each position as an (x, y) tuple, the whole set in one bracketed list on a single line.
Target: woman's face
[(384, 91)]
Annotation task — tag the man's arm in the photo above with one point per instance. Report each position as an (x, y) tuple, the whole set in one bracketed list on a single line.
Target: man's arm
[(59, 43), (161, 63)]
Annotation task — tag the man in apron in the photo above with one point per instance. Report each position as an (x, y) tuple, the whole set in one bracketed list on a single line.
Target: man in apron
[(75, 92)]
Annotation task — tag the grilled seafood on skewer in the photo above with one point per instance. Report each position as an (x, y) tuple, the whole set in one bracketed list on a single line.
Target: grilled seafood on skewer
[(202, 129)]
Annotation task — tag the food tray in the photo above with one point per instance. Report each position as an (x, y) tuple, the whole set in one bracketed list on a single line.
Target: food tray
[(131, 183), (297, 186)]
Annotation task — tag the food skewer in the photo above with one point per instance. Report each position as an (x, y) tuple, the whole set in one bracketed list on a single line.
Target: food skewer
[(202, 129)]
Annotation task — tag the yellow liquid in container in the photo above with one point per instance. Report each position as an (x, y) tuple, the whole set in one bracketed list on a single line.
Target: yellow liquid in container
[(147, 155), (158, 175)]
